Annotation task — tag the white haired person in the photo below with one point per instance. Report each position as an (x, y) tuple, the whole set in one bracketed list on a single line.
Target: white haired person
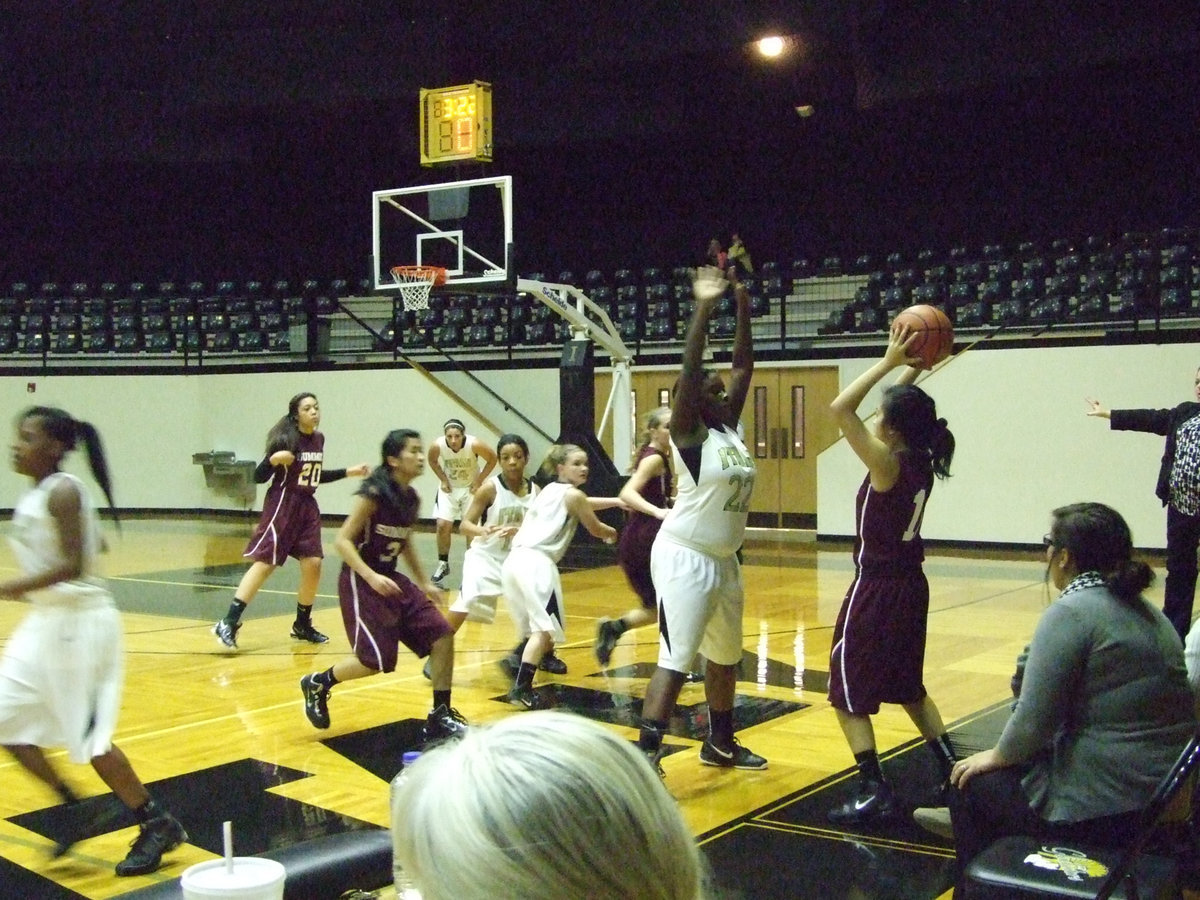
[(544, 806), (62, 669)]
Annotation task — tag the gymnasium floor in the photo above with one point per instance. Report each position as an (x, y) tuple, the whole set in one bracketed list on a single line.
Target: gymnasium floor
[(222, 735)]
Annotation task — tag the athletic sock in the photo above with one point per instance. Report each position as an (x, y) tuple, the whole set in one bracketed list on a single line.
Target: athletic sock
[(441, 698), (67, 795), (869, 769), (943, 753), (525, 674), (651, 736), (620, 626), (236, 608), (149, 810), (326, 679), (444, 557), (720, 729), (303, 613)]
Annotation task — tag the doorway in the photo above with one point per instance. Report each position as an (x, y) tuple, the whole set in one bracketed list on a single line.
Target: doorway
[(787, 425)]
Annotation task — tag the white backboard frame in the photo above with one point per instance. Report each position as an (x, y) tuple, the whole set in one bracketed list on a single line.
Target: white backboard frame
[(480, 259)]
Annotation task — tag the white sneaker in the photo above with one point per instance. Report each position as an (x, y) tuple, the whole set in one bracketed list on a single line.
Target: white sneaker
[(935, 820), (440, 573)]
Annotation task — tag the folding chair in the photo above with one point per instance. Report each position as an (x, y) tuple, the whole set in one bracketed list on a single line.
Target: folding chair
[(1024, 867)]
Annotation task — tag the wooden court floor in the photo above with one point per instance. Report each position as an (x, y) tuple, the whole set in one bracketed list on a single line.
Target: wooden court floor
[(222, 735)]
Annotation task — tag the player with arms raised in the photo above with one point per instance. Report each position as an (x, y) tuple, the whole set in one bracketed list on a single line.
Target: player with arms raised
[(693, 563)]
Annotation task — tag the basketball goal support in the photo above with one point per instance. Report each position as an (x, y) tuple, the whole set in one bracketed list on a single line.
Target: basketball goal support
[(590, 322)]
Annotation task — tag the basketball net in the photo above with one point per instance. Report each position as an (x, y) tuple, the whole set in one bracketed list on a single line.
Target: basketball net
[(416, 282)]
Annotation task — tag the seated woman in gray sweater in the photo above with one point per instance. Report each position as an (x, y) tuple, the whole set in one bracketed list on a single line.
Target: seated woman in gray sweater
[(1104, 708)]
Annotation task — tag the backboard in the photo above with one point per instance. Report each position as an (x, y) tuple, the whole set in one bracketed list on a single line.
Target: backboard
[(464, 226)]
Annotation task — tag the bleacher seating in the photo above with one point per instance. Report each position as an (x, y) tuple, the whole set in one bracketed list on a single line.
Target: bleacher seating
[(1138, 276)]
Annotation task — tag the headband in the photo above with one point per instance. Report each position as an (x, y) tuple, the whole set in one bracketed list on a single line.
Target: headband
[(454, 423)]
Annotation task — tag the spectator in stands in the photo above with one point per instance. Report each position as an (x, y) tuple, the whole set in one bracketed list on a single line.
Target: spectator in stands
[(1104, 709), (542, 807), (739, 255), (716, 255), (1179, 490)]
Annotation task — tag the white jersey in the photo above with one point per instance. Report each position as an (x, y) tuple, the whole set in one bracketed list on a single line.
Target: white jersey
[(506, 509), (460, 466), (547, 525), (62, 668), (35, 539), (715, 481)]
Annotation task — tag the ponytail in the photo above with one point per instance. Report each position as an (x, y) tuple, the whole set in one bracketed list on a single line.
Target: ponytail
[(68, 431), (912, 412), (941, 448)]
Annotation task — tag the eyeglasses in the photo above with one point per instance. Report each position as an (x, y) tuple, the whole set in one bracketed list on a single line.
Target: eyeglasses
[(1047, 541)]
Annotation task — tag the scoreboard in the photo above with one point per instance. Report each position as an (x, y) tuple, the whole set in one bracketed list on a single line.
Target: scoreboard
[(456, 124)]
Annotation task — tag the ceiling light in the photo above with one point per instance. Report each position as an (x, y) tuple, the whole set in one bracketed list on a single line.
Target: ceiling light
[(770, 46)]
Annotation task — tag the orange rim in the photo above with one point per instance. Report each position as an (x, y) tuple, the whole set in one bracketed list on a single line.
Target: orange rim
[(434, 274)]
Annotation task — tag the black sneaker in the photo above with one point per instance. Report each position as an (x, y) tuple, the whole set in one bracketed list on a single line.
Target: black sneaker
[(304, 631), (552, 664), (316, 701), (157, 836), (608, 632), (872, 803), (736, 757), (443, 723), (227, 632), (528, 698), (440, 573)]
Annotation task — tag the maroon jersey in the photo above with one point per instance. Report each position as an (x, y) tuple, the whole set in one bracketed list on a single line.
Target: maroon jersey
[(303, 476), (386, 533), (290, 524), (888, 529), (637, 537)]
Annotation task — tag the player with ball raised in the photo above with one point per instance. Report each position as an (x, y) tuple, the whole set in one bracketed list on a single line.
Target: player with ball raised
[(878, 652)]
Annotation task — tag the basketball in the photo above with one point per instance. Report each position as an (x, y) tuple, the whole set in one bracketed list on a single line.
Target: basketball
[(936, 333)]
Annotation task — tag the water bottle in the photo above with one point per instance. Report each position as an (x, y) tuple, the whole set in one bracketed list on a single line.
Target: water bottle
[(404, 887)]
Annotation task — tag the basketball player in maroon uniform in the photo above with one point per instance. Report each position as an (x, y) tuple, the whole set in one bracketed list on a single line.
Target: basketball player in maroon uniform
[(380, 607), (290, 524), (878, 649)]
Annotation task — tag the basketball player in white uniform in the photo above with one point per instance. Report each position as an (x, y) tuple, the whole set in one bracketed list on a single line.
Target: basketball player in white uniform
[(693, 563), (490, 523), (454, 459), (530, 573), (62, 668)]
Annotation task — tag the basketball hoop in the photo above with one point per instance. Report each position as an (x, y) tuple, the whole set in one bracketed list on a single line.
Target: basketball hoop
[(415, 283)]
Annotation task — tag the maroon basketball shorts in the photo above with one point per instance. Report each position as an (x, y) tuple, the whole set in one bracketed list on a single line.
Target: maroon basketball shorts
[(289, 527), (376, 625), (879, 643)]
